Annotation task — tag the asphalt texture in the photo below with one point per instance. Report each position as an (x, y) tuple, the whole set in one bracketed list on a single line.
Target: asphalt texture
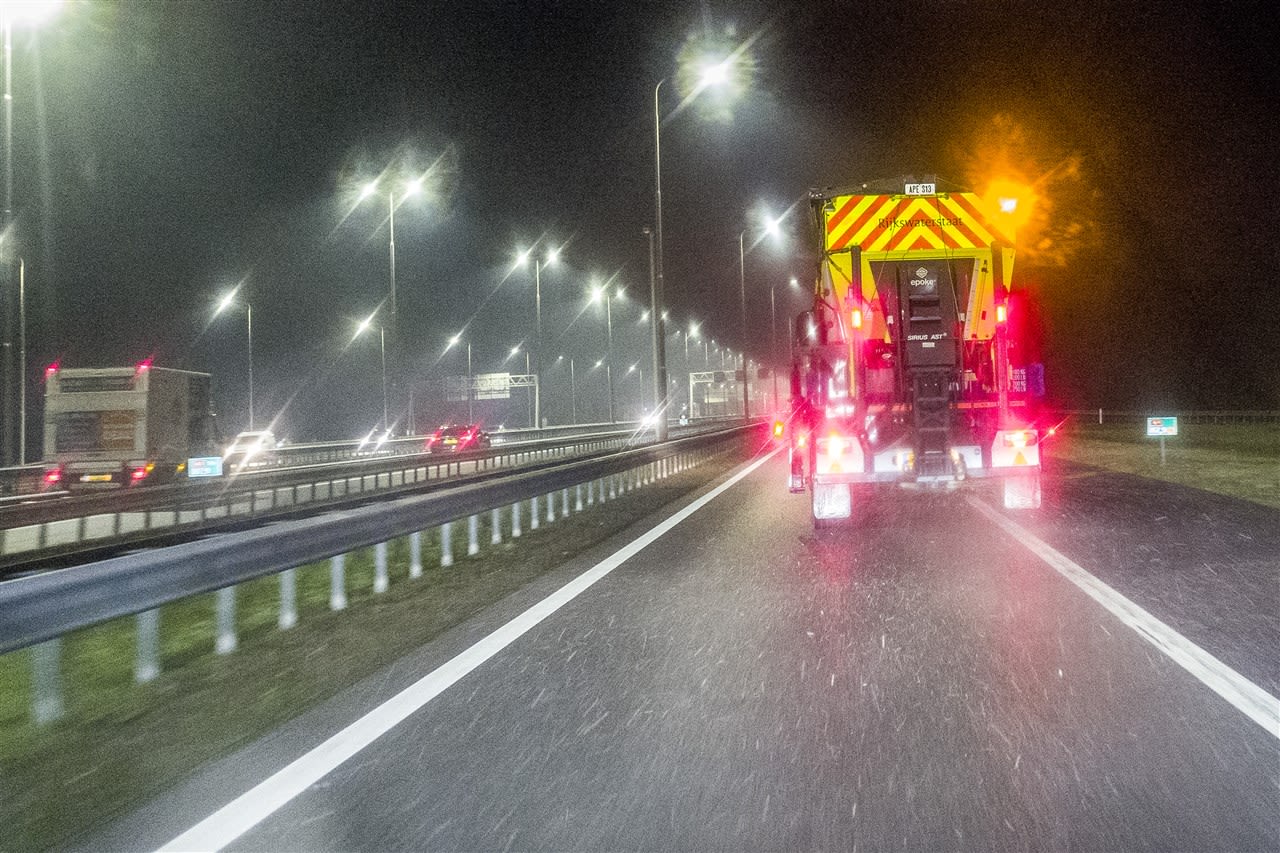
[(920, 681)]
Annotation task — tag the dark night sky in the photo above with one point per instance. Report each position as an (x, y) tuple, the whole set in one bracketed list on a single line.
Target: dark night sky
[(165, 150)]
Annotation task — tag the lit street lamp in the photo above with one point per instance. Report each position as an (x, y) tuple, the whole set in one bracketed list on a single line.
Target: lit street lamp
[(552, 256), (30, 14), (597, 294), (712, 75), (454, 341), (411, 188), (382, 348), (228, 301), (772, 227)]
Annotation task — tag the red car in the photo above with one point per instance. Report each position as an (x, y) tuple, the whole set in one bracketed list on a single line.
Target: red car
[(457, 439)]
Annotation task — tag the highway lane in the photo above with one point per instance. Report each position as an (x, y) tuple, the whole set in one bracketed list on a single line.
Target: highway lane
[(923, 682)]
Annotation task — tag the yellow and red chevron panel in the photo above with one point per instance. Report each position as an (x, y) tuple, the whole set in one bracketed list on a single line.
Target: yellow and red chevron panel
[(902, 223)]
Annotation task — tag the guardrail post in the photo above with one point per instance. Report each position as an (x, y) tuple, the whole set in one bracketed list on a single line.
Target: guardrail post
[(146, 665), (288, 600), (46, 678), (338, 582), (613, 486), (473, 535), (591, 492), (415, 554), (226, 642), (515, 520), (551, 507), (495, 527), (446, 544), (564, 502), (533, 513), (577, 498), (380, 580)]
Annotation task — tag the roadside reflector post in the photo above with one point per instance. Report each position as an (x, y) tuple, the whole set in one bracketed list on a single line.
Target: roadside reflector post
[(338, 582), (380, 580), (564, 502), (46, 681), (473, 535), (533, 513), (577, 498), (146, 665), (515, 520), (495, 527), (415, 554), (446, 544), (226, 606), (288, 600)]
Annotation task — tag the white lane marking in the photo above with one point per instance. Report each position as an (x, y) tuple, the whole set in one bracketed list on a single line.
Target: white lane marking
[(256, 805), (1250, 699)]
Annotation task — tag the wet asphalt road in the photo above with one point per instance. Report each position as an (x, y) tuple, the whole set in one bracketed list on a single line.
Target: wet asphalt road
[(921, 682)]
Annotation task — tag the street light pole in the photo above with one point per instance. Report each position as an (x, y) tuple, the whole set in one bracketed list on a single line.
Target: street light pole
[(608, 364), (573, 392), (742, 294), (657, 283), (773, 341), (22, 362), (382, 347), (537, 343), (227, 302), (248, 308)]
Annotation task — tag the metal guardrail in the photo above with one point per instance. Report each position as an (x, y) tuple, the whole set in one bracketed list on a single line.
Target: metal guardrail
[(1114, 416), (36, 611), (127, 516)]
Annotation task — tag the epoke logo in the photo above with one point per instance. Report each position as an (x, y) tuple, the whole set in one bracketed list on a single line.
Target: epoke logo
[(921, 272)]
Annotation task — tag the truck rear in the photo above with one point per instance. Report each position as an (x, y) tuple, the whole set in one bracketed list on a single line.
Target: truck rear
[(120, 426), (902, 373)]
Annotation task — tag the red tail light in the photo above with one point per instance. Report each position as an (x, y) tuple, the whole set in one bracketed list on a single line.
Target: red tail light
[(53, 476), (778, 429), (138, 474), (1002, 313)]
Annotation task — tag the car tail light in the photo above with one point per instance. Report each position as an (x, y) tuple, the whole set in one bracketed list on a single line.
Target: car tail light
[(802, 439), (53, 476), (778, 429), (138, 474)]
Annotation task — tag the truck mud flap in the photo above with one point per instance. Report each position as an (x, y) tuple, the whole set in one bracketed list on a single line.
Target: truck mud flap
[(1022, 491), (832, 503)]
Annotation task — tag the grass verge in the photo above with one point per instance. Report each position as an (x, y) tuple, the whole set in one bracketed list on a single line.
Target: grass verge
[(1240, 460), (121, 743)]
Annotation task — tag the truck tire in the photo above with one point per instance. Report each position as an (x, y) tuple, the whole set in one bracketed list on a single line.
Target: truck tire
[(1022, 491), (832, 504)]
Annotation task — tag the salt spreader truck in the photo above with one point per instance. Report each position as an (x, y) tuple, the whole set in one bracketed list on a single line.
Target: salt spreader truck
[(901, 373), (124, 426)]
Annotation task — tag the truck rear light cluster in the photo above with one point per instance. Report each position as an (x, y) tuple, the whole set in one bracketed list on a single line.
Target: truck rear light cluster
[(1019, 438)]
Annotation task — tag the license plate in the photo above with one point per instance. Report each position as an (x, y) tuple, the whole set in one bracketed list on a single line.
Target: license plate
[(96, 478), (451, 441)]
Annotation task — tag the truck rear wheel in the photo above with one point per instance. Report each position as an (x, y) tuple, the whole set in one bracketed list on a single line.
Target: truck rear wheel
[(832, 504), (1022, 491)]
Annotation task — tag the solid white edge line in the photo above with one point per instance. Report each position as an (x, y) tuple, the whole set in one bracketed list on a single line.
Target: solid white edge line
[(1250, 699), (257, 804)]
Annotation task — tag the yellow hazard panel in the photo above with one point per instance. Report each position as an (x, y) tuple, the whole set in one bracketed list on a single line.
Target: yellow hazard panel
[(900, 224)]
